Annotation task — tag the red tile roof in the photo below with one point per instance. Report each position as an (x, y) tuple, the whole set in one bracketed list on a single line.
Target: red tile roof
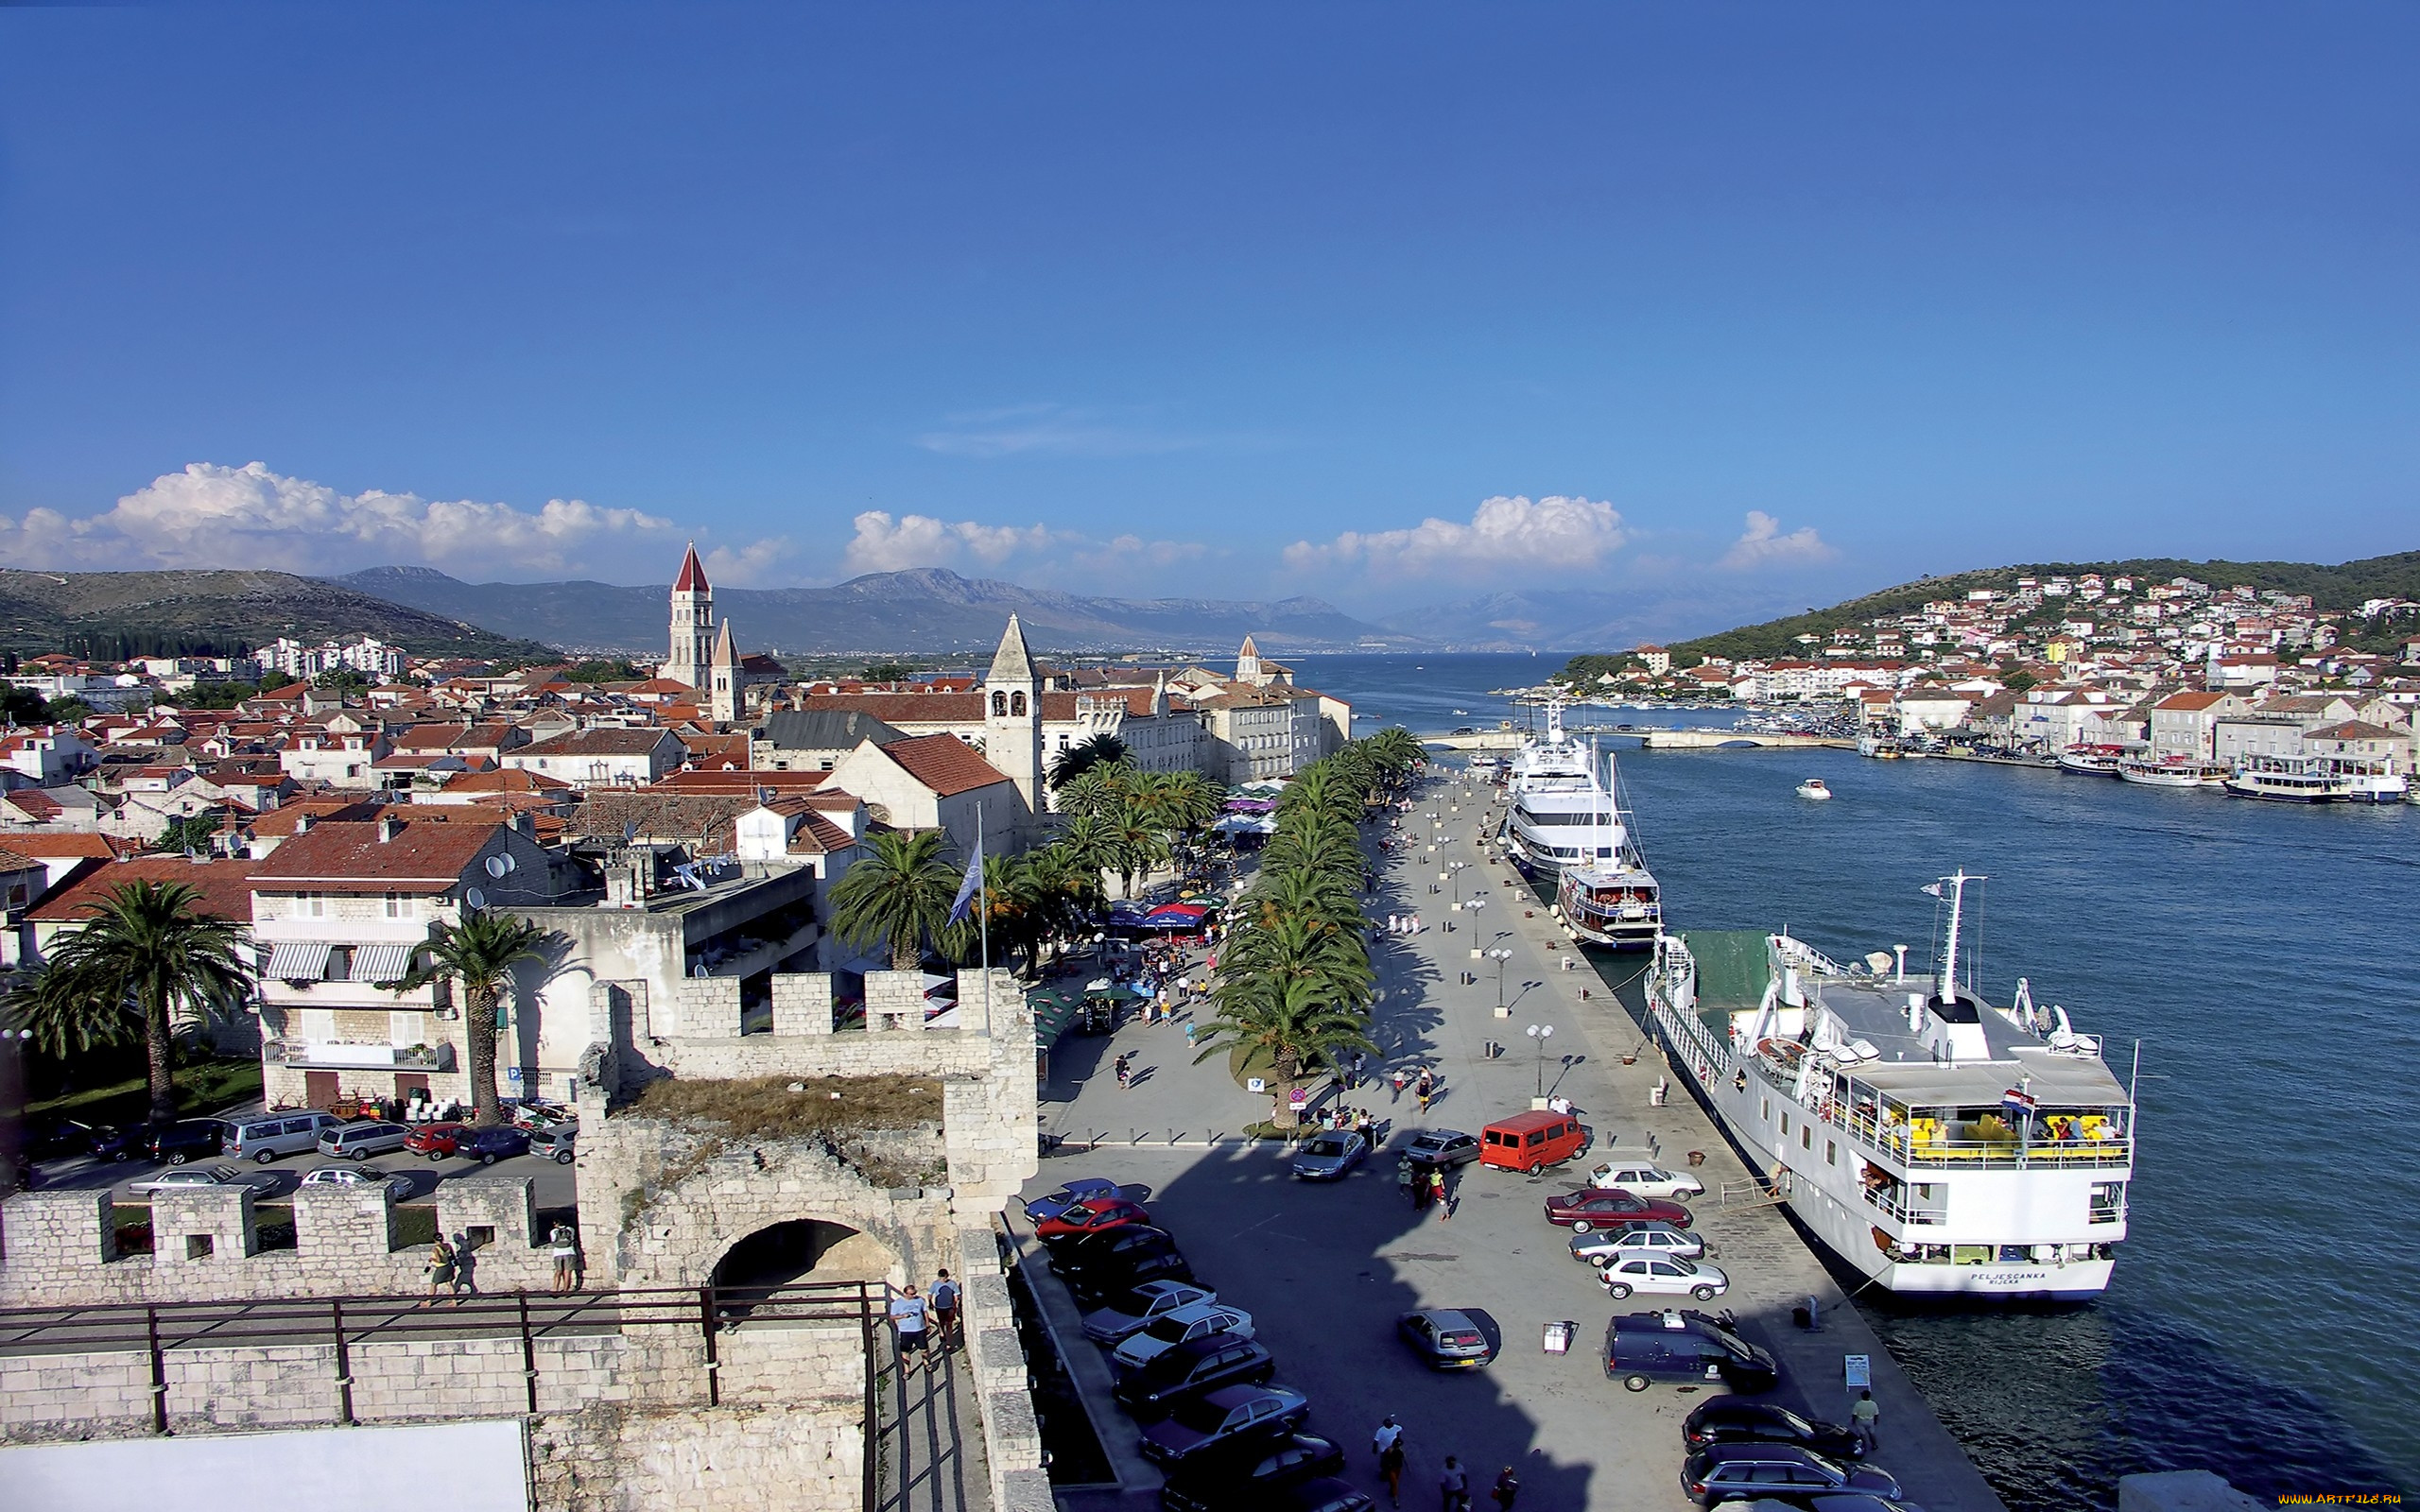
[(945, 764), (420, 856), (904, 708), (225, 887)]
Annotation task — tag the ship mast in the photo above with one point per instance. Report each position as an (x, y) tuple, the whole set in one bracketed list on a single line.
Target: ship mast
[(1957, 881)]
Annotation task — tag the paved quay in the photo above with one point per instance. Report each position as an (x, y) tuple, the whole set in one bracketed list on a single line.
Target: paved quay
[(1325, 1269)]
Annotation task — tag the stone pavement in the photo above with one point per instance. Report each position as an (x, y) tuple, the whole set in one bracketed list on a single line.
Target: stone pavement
[(1325, 1269)]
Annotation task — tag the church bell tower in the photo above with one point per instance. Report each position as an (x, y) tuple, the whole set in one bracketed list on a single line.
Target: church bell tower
[(693, 623)]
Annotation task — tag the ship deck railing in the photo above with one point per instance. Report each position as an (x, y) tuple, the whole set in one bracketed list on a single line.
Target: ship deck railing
[(1894, 1139)]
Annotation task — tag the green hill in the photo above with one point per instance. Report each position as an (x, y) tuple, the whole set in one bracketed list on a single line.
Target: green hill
[(113, 615), (2345, 586)]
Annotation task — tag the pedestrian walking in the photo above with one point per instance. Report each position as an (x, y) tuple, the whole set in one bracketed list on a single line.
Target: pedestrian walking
[(1404, 1175), (1454, 1488), (441, 1271), (1437, 1194), (566, 1247), (1508, 1485), (945, 1300), (908, 1319), (1862, 1417), (1388, 1444), (1125, 1072), (1399, 1079)]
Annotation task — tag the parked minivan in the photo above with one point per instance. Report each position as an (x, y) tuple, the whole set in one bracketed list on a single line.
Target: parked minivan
[(357, 1142), (1531, 1142), (1685, 1345), (264, 1136)]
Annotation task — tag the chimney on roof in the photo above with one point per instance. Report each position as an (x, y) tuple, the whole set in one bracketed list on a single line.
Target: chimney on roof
[(302, 823), (387, 828)]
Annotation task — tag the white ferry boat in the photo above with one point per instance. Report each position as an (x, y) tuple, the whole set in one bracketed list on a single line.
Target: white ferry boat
[(2171, 771), (1938, 1144), (2286, 780), (1561, 815), (2092, 761), (1616, 903)]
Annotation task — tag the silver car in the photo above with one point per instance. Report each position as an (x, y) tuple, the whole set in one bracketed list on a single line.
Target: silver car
[(1131, 1311), (1604, 1246), (1653, 1272), (356, 1177), (1328, 1157), (188, 1177), (355, 1142), (1169, 1330)]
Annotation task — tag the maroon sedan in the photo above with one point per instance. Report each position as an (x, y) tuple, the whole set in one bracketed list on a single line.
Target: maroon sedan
[(1603, 1207), (1090, 1217)]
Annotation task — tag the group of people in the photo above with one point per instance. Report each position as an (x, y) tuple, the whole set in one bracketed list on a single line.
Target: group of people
[(1423, 1084), (1425, 1187), (1405, 924), (916, 1319), (1453, 1485), (449, 1264)]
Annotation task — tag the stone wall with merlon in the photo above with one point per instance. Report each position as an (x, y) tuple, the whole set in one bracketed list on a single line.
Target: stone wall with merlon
[(801, 1003), (709, 1007), (211, 1227), (894, 1001)]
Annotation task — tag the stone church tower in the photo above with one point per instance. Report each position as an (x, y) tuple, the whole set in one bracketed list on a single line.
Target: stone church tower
[(723, 680), (1013, 717), (693, 623)]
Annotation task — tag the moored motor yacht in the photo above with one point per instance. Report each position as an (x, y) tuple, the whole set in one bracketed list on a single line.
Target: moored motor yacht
[(2092, 761), (2171, 771), (2286, 780), (1813, 787)]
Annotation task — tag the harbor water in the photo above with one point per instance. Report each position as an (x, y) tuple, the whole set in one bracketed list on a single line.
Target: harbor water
[(2264, 956)]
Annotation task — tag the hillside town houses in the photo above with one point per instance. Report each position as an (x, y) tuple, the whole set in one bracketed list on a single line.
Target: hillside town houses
[(2177, 668), (680, 830)]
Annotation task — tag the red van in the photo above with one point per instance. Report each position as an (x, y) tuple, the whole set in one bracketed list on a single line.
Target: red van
[(1531, 1142)]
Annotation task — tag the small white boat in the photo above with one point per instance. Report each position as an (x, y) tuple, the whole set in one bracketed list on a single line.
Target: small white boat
[(2171, 771), (1813, 787)]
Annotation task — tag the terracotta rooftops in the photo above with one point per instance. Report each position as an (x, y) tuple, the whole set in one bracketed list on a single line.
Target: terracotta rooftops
[(413, 856), (609, 741), (225, 887), (945, 764), (902, 708)]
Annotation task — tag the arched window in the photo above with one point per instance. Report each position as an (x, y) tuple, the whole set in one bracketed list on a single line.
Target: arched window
[(1016, 704), (1000, 705)]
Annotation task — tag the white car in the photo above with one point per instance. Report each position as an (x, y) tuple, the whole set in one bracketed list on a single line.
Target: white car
[(1659, 1273), (351, 1178), (1197, 1321), (187, 1177), (1605, 1246), (1641, 1179)]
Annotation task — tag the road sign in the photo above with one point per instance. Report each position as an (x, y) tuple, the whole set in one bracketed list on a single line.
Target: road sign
[(1859, 1370)]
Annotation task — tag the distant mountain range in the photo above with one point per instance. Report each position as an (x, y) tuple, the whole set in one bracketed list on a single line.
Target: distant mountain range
[(921, 610), (116, 615)]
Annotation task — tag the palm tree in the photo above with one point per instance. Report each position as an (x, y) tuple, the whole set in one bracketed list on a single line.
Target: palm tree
[(1091, 841), (1289, 1022), (479, 954), (1291, 949), (151, 949), (62, 1021), (1103, 749), (1321, 895), (900, 893)]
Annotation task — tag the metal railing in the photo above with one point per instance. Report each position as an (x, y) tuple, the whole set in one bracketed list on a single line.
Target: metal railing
[(344, 1322)]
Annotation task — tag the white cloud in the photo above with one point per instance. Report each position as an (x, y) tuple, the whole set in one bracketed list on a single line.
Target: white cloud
[(1552, 534), (1048, 430), (214, 516), (888, 544), (1763, 544), (748, 565)]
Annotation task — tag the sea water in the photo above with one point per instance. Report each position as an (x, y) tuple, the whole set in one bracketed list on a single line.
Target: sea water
[(2266, 1306)]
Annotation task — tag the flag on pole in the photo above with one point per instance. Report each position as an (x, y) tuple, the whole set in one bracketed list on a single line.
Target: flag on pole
[(964, 902), (1932, 887)]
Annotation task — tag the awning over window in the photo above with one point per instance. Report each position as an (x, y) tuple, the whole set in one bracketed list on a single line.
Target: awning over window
[(299, 962), (380, 963)]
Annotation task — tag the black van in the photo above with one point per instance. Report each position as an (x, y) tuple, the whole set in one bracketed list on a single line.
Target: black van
[(1684, 1345)]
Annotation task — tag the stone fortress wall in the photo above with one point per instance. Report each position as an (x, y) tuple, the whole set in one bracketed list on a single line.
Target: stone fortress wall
[(621, 1419)]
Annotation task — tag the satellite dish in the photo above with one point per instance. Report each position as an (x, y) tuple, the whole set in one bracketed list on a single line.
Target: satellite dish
[(498, 866), (475, 897)]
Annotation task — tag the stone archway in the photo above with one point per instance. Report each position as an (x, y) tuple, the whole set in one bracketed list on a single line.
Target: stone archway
[(805, 1250)]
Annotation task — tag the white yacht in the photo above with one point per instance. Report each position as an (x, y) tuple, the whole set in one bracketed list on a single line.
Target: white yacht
[(2286, 780), (1939, 1145), (1813, 787), (2171, 771), (2092, 761), (1615, 903), (1561, 815)]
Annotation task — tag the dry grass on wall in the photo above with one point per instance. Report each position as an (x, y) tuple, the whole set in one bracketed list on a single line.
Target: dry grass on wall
[(772, 1108)]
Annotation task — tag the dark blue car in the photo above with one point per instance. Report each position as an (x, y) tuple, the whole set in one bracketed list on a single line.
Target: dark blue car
[(488, 1145)]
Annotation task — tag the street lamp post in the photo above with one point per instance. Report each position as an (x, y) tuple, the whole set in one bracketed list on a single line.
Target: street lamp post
[(1499, 956), (1542, 1033)]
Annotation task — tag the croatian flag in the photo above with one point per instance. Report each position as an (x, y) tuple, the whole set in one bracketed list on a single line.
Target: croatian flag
[(964, 903)]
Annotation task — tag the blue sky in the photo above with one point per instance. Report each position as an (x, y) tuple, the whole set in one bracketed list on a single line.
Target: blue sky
[(1754, 304)]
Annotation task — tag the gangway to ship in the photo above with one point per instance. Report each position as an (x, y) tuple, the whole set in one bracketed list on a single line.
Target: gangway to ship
[(1756, 1192)]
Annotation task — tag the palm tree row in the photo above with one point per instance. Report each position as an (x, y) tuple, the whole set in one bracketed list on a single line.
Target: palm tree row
[(1295, 984)]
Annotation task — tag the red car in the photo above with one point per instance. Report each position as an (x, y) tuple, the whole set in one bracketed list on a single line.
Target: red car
[(1090, 1217), (436, 1141), (1603, 1207)]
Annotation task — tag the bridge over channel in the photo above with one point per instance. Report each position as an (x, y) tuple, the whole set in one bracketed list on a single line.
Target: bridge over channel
[(1651, 740)]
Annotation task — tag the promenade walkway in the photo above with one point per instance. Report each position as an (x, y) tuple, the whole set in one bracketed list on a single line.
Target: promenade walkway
[(1324, 1269)]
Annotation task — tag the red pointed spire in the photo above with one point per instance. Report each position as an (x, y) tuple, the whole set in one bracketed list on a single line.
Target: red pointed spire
[(693, 576)]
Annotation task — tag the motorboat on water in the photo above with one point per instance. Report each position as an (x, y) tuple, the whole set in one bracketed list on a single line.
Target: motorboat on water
[(2171, 771), (1813, 787), (1880, 749), (2286, 780), (1940, 1144), (2093, 761)]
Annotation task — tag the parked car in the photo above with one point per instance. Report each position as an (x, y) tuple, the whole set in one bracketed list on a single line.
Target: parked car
[(264, 1136), (435, 1141), (358, 1141), (1096, 1249), (1433, 1147), (1737, 1420), (1328, 1157), (1082, 1189), (1131, 1311), (353, 1177), (186, 1140), (1155, 1264), (1791, 1499), (1445, 1338), (556, 1142), (1190, 1370), (1595, 1208), (1662, 1274), (1089, 1217), (195, 1175), (1240, 1476), (488, 1145), (1645, 1179), (536, 1113), (1164, 1333), (1215, 1421), (1326, 1494), (1676, 1344), (56, 1138), (1602, 1246), (1723, 1472)]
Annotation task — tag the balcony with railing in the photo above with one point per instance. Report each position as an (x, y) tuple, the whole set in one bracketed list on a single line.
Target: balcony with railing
[(328, 1054)]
